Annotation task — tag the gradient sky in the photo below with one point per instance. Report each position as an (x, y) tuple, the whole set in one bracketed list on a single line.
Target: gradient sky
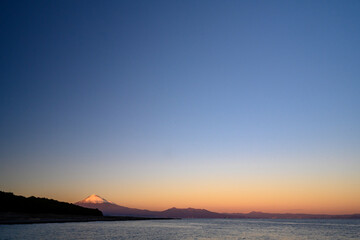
[(231, 106)]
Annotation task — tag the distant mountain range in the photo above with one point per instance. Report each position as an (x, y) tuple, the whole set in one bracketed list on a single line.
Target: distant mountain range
[(109, 208)]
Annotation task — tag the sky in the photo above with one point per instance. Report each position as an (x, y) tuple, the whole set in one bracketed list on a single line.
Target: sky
[(232, 106)]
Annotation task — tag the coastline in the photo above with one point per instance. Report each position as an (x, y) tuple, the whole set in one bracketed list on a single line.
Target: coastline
[(15, 218)]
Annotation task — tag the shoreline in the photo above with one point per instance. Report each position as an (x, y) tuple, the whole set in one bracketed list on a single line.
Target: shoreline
[(11, 219)]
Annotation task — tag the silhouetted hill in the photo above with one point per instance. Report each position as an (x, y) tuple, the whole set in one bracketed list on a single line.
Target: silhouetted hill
[(191, 213), (33, 205)]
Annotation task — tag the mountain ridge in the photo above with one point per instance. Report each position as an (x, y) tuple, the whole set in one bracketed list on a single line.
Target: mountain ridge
[(111, 209)]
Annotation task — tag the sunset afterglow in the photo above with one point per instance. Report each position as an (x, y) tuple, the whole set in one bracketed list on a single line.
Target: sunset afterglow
[(229, 106)]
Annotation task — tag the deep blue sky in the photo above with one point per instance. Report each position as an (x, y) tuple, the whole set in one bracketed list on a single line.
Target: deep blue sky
[(98, 86)]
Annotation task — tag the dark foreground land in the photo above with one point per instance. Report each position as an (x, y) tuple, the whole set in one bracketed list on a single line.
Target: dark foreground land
[(10, 203), (18, 218), (21, 210)]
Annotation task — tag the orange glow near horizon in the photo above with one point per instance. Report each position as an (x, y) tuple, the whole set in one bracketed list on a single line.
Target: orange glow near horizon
[(275, 195), (214, 187), (290, 198), (250, 200)]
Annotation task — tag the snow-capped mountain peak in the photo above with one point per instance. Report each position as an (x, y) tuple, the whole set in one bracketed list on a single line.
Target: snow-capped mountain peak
[(95, 199)]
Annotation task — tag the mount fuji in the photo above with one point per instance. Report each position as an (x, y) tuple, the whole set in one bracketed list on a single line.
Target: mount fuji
[(109, 208), (94, 199)]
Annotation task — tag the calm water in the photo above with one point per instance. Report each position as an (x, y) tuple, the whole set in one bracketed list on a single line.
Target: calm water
[(189, 229)]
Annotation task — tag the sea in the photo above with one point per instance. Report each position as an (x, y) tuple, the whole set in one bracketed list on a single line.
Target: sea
[(189, 229)]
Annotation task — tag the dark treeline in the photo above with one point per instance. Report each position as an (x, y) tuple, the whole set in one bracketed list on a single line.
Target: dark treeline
[(19, 204)]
